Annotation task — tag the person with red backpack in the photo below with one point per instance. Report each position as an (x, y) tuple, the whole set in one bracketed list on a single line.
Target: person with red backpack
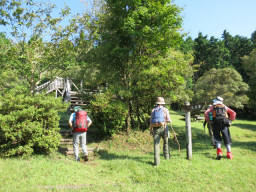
[(158, 128), (79, 121), (221, 117)]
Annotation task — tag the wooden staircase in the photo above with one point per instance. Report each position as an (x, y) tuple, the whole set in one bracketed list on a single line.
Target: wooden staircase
[(62, 87), (66, 147), (75, 100)]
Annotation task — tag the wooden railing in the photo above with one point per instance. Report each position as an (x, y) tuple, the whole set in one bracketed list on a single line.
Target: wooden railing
[(48, 87)]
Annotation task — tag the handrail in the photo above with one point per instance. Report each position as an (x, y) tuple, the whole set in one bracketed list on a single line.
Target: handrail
[(57, 83)]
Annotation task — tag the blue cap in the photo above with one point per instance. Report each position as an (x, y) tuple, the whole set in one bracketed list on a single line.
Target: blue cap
[(77, 108)]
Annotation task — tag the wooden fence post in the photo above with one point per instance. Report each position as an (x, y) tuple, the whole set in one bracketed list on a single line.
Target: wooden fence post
[(188, 130)]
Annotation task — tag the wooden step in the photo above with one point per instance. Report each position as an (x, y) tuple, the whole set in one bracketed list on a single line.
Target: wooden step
[(66, 141), (70, 150), (78, 104)]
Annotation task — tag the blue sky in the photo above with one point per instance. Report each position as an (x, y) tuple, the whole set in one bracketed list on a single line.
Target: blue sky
[(211, 17)]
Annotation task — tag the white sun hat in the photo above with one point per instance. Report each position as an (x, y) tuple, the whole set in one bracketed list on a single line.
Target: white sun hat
[(160, 101)]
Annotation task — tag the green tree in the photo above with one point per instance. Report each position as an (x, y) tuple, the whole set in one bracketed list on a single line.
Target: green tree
[(135, 41), (238, 47), (28, 18), (209, 54), (226, 82), (253, 38), (187, 45), (249, 65)]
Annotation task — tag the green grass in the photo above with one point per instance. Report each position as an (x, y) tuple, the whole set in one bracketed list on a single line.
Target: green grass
[(125, 163)]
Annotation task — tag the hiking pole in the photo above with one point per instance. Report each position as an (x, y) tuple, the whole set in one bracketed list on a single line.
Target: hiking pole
[(175, 137)]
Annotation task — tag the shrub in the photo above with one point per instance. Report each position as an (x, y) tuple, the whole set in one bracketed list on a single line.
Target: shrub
[(28, 124), (108, 114)]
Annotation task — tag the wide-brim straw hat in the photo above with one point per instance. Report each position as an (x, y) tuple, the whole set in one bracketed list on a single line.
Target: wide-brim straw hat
[(160, 101)]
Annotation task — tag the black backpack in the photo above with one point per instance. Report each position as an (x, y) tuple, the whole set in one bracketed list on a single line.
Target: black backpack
[(219, 112)]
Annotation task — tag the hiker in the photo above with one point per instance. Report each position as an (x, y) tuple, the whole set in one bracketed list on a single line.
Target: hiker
[(209, 127), (158, 128), (79, 121), (222, 117)]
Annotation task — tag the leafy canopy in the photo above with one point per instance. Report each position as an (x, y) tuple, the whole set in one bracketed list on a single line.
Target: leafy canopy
[(226, 82)]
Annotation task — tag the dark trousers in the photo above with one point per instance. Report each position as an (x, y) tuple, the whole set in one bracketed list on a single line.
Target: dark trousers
[(221, 132)]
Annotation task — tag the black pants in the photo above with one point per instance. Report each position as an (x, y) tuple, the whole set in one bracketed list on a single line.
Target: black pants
[(221, 131)]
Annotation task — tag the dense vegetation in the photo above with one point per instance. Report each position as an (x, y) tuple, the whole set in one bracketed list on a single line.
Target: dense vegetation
[(133, 50)]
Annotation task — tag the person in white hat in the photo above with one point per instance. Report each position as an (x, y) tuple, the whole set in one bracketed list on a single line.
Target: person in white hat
[(221, 121), (158, 128)]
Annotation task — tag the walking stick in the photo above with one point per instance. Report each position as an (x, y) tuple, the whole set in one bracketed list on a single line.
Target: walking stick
[(175, 138)]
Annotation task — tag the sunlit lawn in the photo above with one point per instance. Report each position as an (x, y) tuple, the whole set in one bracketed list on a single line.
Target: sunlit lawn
[(125, 163)]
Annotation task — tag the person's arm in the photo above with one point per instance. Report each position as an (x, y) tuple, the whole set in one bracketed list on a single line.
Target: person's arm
[(206, 114), (231, 113), (151, 126), (71, 120), (89, 122)]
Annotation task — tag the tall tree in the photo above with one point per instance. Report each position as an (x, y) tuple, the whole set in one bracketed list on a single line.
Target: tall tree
[(28, 18), (238, 47), (249, 65), (208, 54), (253, 39), (135, 41)]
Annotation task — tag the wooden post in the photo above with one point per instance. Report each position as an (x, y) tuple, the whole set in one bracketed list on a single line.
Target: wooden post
[(188, 131), (81, 86)]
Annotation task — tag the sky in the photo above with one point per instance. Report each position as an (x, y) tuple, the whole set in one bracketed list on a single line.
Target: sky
[(211, 17)]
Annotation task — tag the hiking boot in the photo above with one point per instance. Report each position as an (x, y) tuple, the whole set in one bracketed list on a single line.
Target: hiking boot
[(86, 158), (219, 154), (78, 159), (229, 155)]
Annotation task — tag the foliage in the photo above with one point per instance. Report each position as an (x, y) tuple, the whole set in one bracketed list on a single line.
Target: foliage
[(135, 56), (209, 54), (28, 18), (29, 124), (108, 113), (187, 45), (249, 65), (238, 47), (226, 82)]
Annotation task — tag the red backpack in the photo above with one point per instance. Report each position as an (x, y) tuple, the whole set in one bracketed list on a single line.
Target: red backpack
[(81, 121)]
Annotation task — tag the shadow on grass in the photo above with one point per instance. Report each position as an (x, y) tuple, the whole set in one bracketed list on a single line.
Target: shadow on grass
[(104, 154), (245, 126), (245, 145)]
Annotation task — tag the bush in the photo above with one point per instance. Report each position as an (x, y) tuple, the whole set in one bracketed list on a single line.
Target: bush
[(108, 114), (28, 124)]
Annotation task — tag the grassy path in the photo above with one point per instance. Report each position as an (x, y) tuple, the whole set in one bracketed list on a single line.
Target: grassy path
[(125, 164)]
